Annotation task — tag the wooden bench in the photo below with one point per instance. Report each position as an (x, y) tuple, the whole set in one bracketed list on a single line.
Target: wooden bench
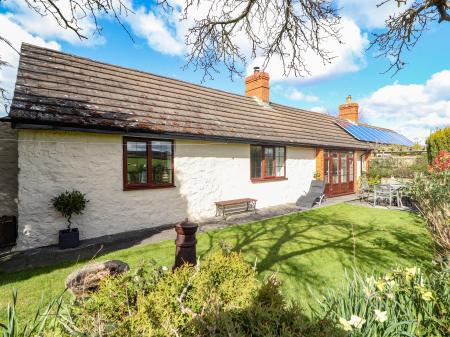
[(235, 206)]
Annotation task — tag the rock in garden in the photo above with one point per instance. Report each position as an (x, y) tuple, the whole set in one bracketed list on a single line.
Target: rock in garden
[(87, 279)]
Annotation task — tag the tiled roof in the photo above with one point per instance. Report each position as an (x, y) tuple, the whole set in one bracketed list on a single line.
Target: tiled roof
[(55, 88)]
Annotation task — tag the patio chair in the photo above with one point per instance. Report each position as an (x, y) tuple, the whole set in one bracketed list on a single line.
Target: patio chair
[(314, 195), (383, 192), (364, 190)]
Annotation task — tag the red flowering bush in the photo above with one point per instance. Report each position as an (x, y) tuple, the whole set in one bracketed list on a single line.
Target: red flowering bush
[(431, 193), (441, 162)]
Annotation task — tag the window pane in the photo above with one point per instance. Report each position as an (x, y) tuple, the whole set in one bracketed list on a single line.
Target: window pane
[(255, 161), (137, 162), (351, 168), (326, 170), (279, 159), (161, 162), (343, 167), (268, 161), (335, 171)]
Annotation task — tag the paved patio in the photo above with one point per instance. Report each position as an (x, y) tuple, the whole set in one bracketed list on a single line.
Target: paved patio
[(50, 255)]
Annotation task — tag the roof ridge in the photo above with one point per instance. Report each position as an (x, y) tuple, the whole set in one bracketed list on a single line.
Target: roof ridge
[(305, 110)]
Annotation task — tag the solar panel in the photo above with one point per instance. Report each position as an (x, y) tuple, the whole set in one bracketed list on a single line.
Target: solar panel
[(374, 135)]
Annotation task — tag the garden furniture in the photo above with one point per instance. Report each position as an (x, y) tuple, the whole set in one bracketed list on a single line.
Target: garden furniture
[(364, 190), (315, 195), (235, 206), (388, 192)]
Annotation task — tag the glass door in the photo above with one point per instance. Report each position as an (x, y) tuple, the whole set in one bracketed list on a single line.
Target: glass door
[(339, 172)]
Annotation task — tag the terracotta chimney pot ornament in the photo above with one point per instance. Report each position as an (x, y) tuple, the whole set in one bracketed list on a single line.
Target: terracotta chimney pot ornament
[(185, 244)]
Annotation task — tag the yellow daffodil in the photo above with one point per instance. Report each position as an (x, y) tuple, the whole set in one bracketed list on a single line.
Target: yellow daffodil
[(380, 284), (345, 324), (380, 316), (367, 292), (356, 321), (411, 272), (390, 296), (427, 296)]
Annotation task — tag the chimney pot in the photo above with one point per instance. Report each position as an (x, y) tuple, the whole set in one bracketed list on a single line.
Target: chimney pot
[(349, 110), (255, 70)]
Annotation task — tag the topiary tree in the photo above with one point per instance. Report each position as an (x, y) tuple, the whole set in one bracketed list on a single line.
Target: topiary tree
[(70, 203), (436, 142)]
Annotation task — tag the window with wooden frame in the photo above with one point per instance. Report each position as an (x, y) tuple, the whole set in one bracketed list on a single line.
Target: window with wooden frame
[(147, 163), (267, 162)]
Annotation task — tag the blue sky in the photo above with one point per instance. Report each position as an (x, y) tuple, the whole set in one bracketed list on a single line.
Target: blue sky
[(414, 101)]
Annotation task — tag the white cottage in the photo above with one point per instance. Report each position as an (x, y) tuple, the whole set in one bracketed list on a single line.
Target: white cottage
[(149, 150)]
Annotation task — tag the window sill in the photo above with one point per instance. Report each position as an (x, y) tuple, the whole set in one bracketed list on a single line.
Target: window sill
[(264, 180), (132, 188)]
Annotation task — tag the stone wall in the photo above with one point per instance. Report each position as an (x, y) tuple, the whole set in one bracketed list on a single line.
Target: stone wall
[(53, 161), (8, 170)]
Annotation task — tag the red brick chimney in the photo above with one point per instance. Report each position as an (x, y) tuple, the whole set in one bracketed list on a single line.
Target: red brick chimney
[(257, 85), (349, 110)]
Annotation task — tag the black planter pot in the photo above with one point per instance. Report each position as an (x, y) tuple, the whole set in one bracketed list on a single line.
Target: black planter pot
[(69, 238)]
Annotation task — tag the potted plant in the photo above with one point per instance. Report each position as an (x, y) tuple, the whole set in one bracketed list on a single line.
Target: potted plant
[(316, 175), (68, 204)]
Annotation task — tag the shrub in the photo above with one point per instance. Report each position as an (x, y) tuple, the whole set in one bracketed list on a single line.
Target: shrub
[(405, 302), (70, 203), (388, 167), (219, 297), (431, 195), (438, 141), (441, 162)]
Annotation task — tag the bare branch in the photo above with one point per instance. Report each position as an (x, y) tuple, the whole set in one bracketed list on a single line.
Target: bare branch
[(287, 29), (404, 30), (71, 17), (4, 99)]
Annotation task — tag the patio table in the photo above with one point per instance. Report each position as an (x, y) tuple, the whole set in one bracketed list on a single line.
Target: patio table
[(388, 191)]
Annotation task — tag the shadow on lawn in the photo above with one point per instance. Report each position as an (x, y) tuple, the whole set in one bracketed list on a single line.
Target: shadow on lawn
[(298, 245)]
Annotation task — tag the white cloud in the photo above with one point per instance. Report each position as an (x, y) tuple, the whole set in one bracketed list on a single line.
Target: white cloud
[(414, 110), (320, 109), (367, 14), (47, 27), (297, 95), (16, 35), (162, 32)]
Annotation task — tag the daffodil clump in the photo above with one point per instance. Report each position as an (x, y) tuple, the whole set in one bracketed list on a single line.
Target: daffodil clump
[(405, 302)]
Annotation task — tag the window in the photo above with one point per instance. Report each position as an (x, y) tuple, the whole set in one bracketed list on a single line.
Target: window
[(147, 163), (350, 166), (327, 167), (267, 162)]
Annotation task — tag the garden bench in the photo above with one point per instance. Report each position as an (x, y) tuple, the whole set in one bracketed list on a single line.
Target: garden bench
[(235, 206)]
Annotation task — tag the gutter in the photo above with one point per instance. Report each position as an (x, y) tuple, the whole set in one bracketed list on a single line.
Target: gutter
[(25, 124), (5, 119)]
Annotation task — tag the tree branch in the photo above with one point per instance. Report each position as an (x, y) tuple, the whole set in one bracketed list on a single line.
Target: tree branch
[(404, 30)]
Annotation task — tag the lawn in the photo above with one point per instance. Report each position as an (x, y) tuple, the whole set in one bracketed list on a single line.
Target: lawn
[(310, 252)]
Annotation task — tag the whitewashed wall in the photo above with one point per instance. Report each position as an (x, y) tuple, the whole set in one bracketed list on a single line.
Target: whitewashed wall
[(53, 161)]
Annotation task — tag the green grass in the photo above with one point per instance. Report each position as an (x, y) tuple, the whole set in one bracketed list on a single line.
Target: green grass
[(310, 251)]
